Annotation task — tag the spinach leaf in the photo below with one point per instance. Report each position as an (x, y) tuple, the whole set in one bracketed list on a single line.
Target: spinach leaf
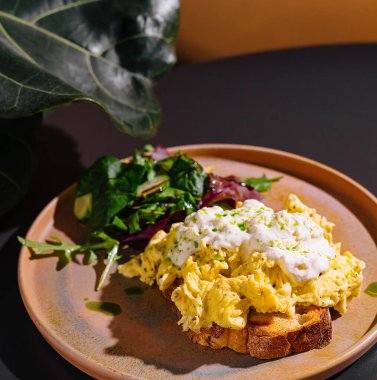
[(165, 165), (107, 206), (194, 182), (99, 175), (139, 170), (186, 174), (110, 192), (108, 52), (260, 184), (183, 164)]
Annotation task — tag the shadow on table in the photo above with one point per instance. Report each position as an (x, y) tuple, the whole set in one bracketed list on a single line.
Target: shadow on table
[(147, 330), (24, 353)]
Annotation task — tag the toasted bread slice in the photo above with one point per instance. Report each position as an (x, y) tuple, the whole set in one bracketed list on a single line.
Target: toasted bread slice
[(269, 335)]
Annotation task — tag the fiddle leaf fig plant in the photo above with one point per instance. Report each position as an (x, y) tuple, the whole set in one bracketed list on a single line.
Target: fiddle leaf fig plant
[(107, 51), (110, 52)]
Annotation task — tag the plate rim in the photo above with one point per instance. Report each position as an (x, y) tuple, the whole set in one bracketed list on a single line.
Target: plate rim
[(93, 368)]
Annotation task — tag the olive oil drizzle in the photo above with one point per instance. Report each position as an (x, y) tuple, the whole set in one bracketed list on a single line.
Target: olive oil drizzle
[(108, 308), (372, 289)]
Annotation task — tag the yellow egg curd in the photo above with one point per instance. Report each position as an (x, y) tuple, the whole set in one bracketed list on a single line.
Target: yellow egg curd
[(250, 257)]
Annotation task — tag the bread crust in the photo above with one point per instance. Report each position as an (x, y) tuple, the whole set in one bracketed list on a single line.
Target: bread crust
[(269, 335)]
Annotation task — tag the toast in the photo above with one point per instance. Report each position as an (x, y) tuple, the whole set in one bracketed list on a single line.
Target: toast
[(269, 335)]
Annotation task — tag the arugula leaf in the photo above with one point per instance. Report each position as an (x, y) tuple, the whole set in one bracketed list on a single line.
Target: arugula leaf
[(65, 251), (143, 215), (261, 184), (42, 247), (112, 255), (98, 241), (117, 222)]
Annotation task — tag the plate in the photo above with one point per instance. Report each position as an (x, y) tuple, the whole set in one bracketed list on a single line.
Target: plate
[(144, 341)]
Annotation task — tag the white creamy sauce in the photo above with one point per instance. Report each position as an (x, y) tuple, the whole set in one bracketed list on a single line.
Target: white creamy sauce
[(293, 240)]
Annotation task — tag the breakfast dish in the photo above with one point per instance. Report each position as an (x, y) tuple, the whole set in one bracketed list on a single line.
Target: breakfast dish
[(252, 279), (238, 274), (130, 344)]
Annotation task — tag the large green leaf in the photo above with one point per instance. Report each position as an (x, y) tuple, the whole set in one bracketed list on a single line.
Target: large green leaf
[(107, 51)]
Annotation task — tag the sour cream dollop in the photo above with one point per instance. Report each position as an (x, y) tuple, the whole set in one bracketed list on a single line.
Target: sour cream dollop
[(293, 240)]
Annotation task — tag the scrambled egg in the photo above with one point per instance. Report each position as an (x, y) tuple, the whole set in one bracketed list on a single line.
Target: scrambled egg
[(219, 283)]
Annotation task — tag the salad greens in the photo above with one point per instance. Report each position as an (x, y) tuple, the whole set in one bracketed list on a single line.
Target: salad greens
[(127, 196), (126, 202)]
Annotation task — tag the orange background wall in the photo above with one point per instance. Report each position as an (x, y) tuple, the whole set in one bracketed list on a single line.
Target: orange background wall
[(212, 29)]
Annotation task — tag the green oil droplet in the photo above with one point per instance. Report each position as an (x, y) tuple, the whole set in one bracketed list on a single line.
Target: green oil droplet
[(134, 290), (86, 298), (107, 308), (372, 289)]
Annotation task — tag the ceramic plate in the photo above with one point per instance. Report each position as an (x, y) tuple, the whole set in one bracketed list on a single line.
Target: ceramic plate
[(144, 341)]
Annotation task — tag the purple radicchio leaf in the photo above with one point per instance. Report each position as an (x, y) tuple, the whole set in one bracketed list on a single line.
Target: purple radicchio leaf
[(228, 189), (147, 233)]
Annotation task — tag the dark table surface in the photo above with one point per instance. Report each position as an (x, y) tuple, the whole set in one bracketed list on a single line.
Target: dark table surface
[(317, 102)]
